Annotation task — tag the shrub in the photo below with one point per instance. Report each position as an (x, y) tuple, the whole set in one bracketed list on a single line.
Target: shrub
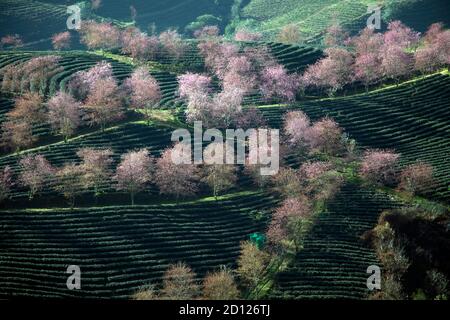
[(99, 35), (252, 263), (64, 114), (247, 36), (379, 167), (61, 40), (134, 172), (416, 178), (36, 173), (95, 167), (175, 179), (179, 283), (289, 34), (220, 285)]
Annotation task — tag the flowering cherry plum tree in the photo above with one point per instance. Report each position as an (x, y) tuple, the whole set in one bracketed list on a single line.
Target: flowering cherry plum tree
[(134, 172)]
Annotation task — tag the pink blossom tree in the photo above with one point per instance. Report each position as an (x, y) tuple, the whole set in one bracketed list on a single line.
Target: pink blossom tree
[(64, 114), (396, 62), (180, 180), (296, 127), (321, 181), (427, 59), (173, 43), (61, 40), (82, 82), (247, 36), (218, 176), (416, 178), (144, 90), (379, 167), (260, 57), (179, 283), (138, 45), (6, 182), (290, 222), (227, 107), (313, 170), (32, 75), (29, 108), (207, 32), (11, 40), (134, 172), (104, 103), (332, 72), (276, 82), (367, 69), (367, 41), (218, 110), (95, 167), (36, 173), (99, 35), (435, 51), (17, 135), (368, 46), (217, 55), (325, 136), (239, 73), (191, 85), (335, 35), (250, 117), (200, 108), (400, 35)]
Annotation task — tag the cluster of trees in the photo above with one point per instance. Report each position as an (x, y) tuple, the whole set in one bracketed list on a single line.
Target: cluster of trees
[(136, 170), (179, 283), (11, 41), (93, 97), (381, 168), (239, 73), (372, 57), (132, 41), (312, 184), (32, 75)]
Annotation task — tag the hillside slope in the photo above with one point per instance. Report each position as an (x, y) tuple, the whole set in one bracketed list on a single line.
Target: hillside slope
[(413, 119), (312, 17), (121, 248), (333, 262)]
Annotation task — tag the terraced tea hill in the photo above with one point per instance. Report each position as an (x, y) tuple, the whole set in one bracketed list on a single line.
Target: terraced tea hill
[(120, 248), (412, 119), (333, 262)]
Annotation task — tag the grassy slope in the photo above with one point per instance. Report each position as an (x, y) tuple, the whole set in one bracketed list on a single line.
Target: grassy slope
[(121, 248), (333, 262), (413, 119), (312, 16)]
